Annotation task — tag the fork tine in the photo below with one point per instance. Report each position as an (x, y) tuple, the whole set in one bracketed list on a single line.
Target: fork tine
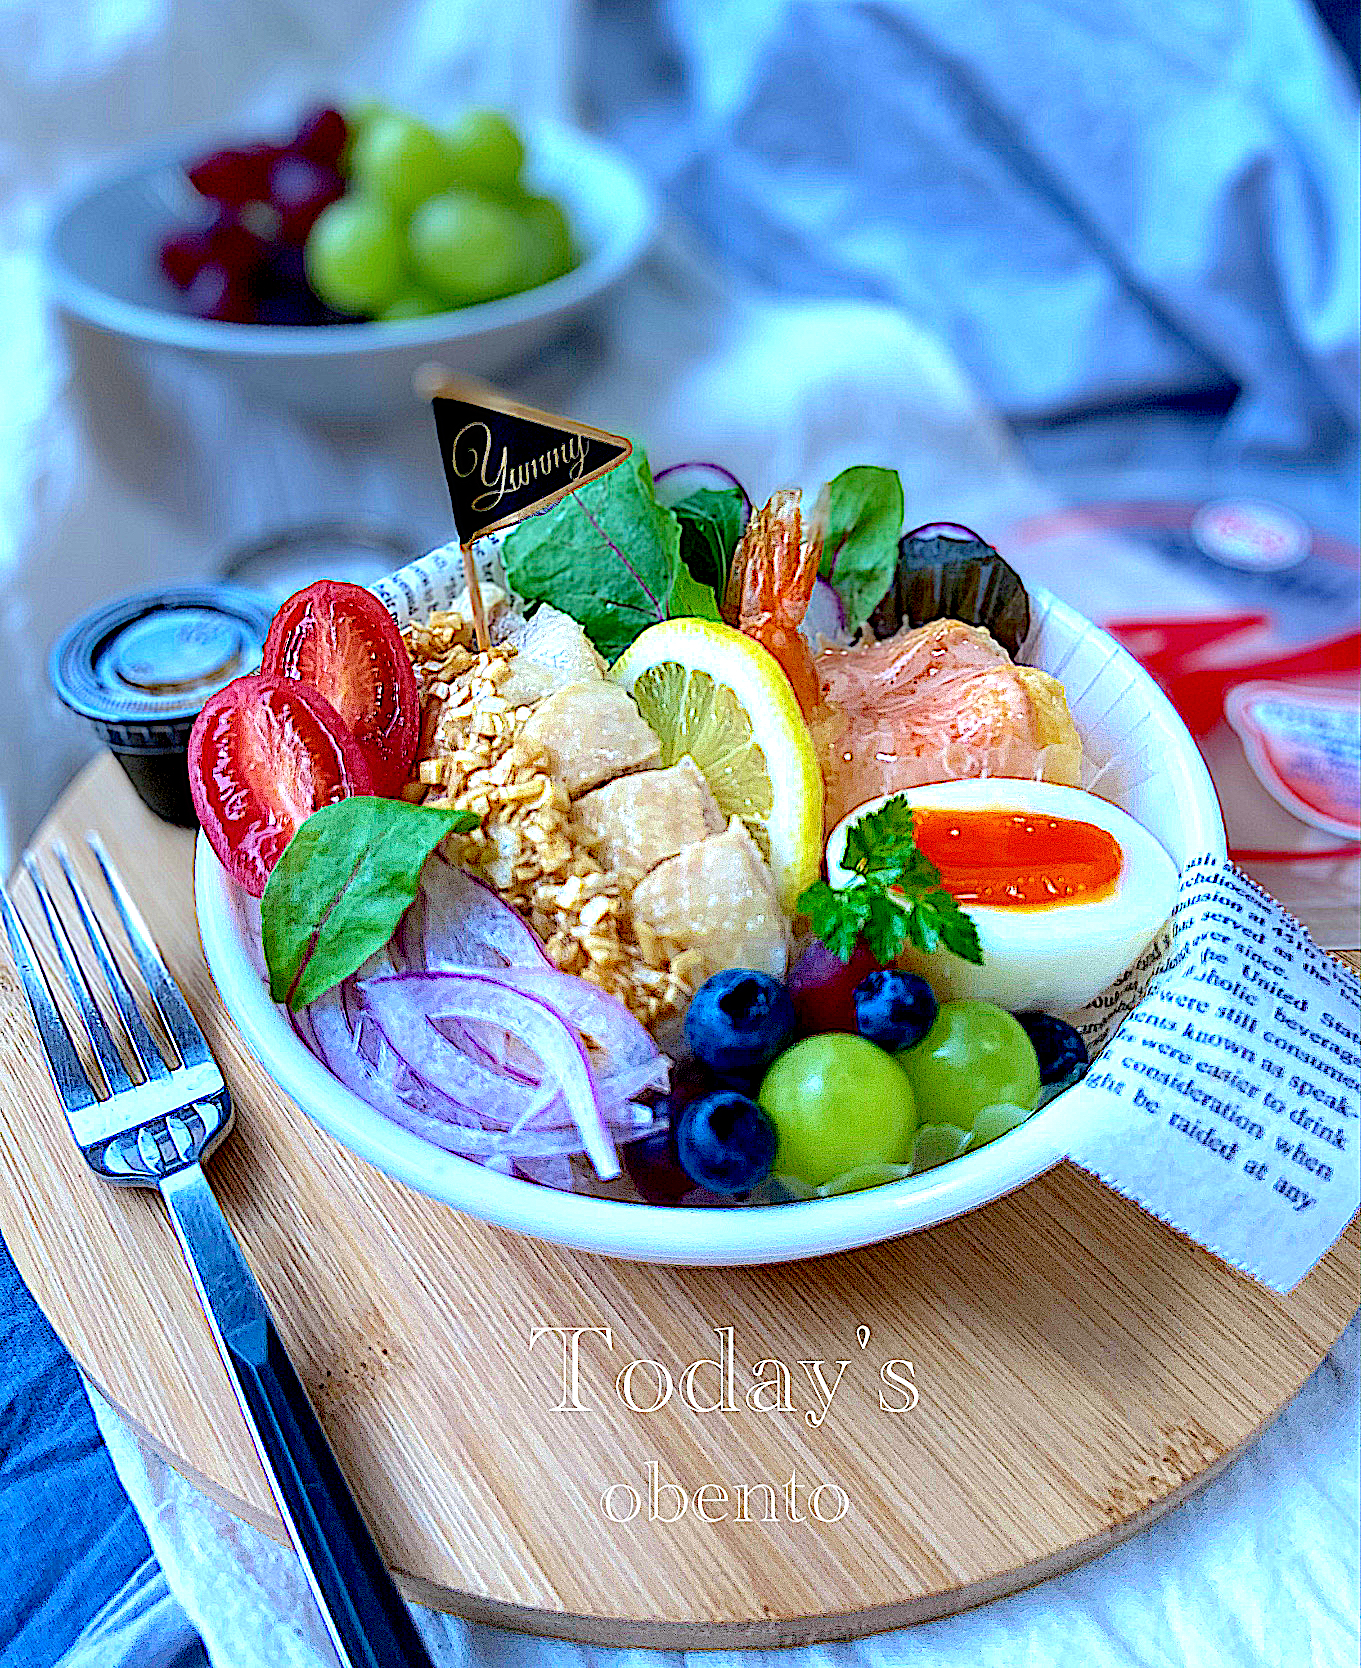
[(101, 1040), (68, 1075), (139, 1035), (171, 1006)]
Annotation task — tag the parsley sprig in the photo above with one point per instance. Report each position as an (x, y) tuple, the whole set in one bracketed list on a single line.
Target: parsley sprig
[(882, 854)]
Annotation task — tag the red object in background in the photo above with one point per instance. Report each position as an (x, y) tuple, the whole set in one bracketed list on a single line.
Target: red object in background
[(182, 255), (236, 174), (1260, 655), (265, 199), (300, 189), (1186, 658), (321, 136), (1301, 740), (215, 293), (1196, 683)]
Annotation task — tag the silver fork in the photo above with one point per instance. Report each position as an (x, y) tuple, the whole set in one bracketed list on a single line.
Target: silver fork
[(156, 1133)]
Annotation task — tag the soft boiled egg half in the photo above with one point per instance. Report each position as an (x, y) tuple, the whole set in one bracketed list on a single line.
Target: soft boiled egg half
[(1066, 890)]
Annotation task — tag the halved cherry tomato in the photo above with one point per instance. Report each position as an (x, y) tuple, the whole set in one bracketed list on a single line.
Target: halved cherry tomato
[(263, 755), (339, 639)]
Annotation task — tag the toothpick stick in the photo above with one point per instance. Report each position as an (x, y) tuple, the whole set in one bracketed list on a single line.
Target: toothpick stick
[(475, 598)]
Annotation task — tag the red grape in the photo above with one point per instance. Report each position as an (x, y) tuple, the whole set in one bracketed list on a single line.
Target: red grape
[(236, 175), (216, 293), (321, 136), (233, 245), (654, 1168), (822, 986), (300, 189), (289, 307), (181, 256), (283, 295), (690, 1079)]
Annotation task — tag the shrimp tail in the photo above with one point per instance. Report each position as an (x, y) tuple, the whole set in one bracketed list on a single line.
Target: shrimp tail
[(770, 584)]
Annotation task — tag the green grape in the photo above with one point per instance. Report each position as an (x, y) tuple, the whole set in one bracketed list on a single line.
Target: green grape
[(487, 151), (363, 113), (359, 117), (995, 1121), (974, 1056), (353, 256), (937, 1144), (413, 302), (838, 1104), (548, 241), (400, 162), (466, 247)]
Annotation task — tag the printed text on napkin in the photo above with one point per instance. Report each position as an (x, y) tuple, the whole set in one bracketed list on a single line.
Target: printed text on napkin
[(1229, 1102)]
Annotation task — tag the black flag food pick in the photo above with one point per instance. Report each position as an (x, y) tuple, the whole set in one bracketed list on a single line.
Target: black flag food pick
[(504, 461)]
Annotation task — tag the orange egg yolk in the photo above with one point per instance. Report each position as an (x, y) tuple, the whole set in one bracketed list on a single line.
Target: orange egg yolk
[(1018, 859)]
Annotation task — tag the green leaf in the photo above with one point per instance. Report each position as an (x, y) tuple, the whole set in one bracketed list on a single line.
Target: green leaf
[(886, 928), (710, 524), (923, 928), (689, 597), (860, 549), (340, 888), (608, 554), (896, 896), (881, 845), (837, 915), (957, 928)]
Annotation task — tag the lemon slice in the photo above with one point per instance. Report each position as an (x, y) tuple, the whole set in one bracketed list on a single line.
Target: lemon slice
[(708, 691)]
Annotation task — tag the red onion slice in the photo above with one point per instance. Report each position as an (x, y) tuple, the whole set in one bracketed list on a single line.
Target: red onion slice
[(421, 1042), (338, 1048), (339, 1051), (404, 1004), (681, 479), (463, 1032), (601, 1018), (465, 924)]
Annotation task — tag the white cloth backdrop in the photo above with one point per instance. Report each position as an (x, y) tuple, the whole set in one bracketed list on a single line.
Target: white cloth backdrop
[(116, 474)]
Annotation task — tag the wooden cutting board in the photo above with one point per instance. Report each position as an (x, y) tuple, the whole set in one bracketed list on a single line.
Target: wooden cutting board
[(1077, 1367)]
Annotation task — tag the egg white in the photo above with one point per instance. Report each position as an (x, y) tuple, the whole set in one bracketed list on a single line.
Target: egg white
[(1059, 956)]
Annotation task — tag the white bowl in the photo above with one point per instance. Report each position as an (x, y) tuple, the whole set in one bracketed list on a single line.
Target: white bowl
[(100, 257), (1146, 762)]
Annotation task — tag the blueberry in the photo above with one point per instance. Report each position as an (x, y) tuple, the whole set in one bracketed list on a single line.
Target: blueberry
[(1060, 1049), (725, 1142), (739, 1021), (894, 1009)]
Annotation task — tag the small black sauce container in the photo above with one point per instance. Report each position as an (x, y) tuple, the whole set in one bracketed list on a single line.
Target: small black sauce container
[(141, 668)]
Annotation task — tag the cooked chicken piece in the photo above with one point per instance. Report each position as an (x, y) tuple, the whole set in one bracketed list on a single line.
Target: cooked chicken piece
[(551, 651), (717, 897), (636, 821), (591, 732), (556, 641)]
